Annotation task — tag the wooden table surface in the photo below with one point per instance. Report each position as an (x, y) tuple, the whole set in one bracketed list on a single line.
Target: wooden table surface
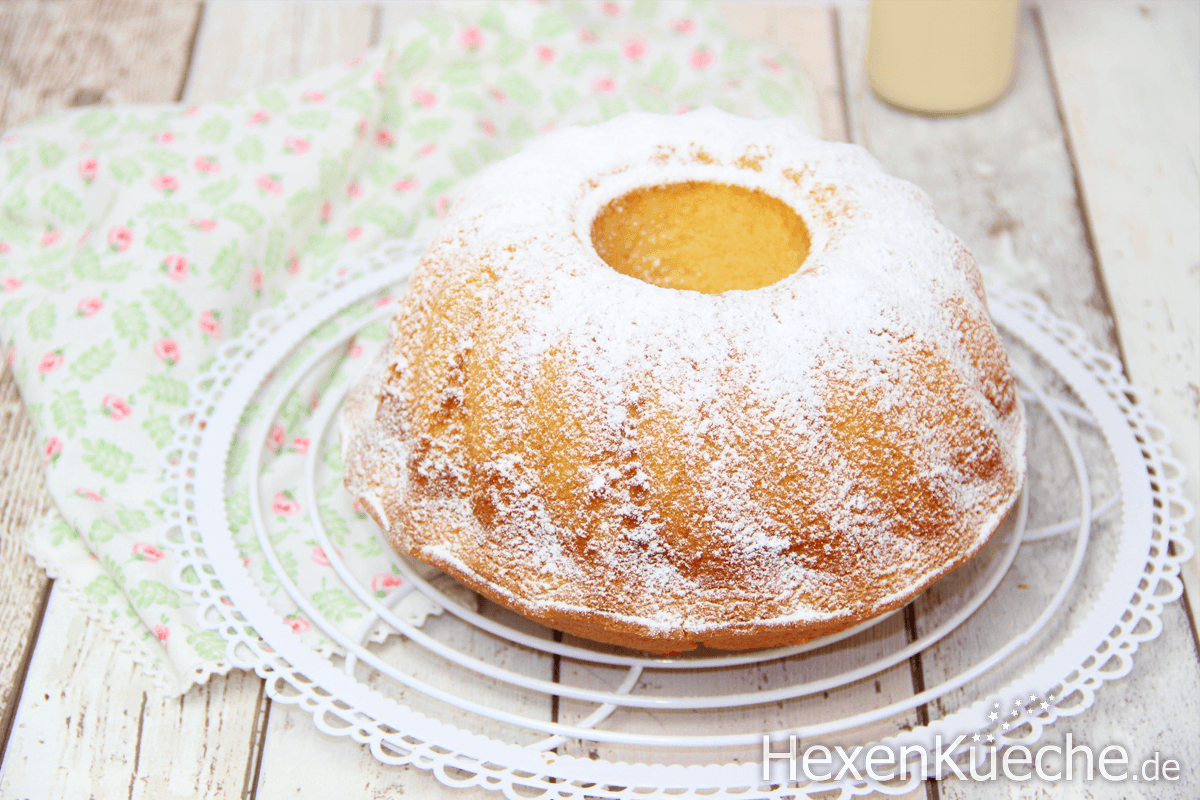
[(1081, 186)]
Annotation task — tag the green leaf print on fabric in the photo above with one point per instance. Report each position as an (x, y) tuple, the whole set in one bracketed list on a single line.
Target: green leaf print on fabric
[(102, 531), (149, 593), (217, 193), (164, 159), (18, 160), (165, 389), (133, 520), (159, 429), (62, 531), (86, 266), (775, 95), (102, 589), (165, 238), (415, 55), (41, 320), (93, 361), (129, 321), (67, 411), (243, 215), (165, 210), (335, 605), (521, 89), (126, 169), (251, 149), (106, 459), (214, 130), (50, 153), (227, 266), (170, 305), (551, 24), (208, 644), (272, 100), (63, 204), (96, 122), (310, 119), (335, 526)]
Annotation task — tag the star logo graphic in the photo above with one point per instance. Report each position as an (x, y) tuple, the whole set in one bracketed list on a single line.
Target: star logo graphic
[(991, 738), (992, 716), (1005, 726), (975, 738)]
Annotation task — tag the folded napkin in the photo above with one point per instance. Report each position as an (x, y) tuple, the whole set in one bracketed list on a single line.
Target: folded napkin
[(134, 239)]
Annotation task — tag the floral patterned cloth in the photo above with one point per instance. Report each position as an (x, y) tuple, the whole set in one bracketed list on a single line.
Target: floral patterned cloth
[(134, 239)]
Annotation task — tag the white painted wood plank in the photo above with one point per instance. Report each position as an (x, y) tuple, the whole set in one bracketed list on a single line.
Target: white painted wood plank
[(880, 689), (242, 46), (1003, 180), (90, 724), (1128, 76), (346, 769)]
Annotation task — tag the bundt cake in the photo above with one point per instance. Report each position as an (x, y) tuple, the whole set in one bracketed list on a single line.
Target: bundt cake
[(666, 381)]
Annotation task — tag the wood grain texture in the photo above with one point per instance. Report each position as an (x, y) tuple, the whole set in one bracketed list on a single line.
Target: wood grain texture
[(1135, 134), (1004, 181), (55, 55), (91, 724), (243, 46), (23, 586)]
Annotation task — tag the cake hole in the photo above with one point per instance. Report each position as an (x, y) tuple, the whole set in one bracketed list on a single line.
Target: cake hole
[(706, 237)]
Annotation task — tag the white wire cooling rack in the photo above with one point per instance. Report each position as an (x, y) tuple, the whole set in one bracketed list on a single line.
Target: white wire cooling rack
[(399, 657)]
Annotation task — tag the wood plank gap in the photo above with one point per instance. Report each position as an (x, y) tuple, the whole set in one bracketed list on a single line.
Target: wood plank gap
[(917, 671), (839, 59), (1191, 618), (258, 738), (137, 751), (1080, 199), (376, 26), (18, 686), (191, 51)]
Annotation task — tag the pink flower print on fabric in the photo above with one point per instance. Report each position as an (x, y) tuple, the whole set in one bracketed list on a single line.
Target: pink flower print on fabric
[(471, 38), (269, 185), (89, 306), (385, 583), (284, 505), (611, 9), (298, 625), (684, 26), (206, 165), (50, 237), (276, 438), (209, 324), (259, 117), (162, 633), (633, 49), (116, 407), (176, 267), (605, 85), (147, 552), (164, 137), (51, 451), (256, 280), (354, 233), (487, 126), (312, 96), (293, 263), (164, 183), (294, 144), (167, 350), (701, 58), (405, 185), (88, 168), (88, 494), (50, 362), (205, 225), (319, 557), (385, 138), (423, 97), (120, 238), (300, 444), (546, 54), (11, 284)]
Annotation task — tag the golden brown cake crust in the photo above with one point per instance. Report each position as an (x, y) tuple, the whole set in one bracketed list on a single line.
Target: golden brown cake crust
[(658, 468)]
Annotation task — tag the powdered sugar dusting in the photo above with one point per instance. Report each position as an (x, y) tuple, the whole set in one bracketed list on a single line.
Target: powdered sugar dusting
[(661, 467)]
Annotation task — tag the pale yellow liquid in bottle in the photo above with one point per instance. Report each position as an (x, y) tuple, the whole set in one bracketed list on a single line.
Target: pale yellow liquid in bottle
[(941, 56), (705, 237)]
